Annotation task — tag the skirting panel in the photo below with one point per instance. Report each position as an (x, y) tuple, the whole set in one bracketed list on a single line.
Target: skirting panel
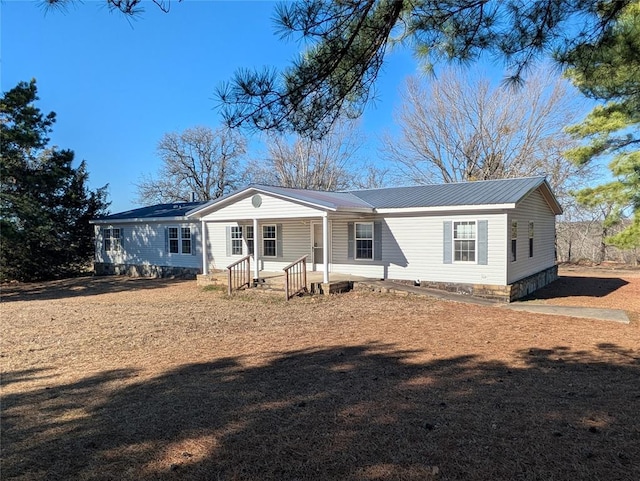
[(511, 292), (135, 270)]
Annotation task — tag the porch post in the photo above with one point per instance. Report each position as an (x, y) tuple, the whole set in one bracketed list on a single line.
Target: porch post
[(256, 266), (325, 250), (205, 267)]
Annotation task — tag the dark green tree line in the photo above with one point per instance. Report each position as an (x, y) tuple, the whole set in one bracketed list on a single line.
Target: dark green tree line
[(609, 70), (45, 204)]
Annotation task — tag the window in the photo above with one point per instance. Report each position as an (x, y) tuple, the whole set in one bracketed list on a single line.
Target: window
[(112, 240), (174, 244), (236, 240), (364, 240), (179, 240), (269, 240), (514, 240), (530, 239), (185, 233), (248, 232), (464, 241)]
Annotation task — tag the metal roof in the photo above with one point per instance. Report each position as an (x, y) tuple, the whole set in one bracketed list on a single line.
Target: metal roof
[(175, 209), (331, 200), (479, 193), (488, 192), (318, 198)]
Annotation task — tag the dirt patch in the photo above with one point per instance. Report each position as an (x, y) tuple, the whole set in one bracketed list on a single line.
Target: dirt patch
[(594, 287), (137, 379)]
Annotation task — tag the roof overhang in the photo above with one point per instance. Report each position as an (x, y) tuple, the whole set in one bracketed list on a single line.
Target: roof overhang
[(140, 220), (549, 196), (445, 208), (224, 201)]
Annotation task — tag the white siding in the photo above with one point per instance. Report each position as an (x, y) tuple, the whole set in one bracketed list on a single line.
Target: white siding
[(532, 209), (412, 249), (339, 261), (412, 245), (271, 208), (144, 244), (296, 242)]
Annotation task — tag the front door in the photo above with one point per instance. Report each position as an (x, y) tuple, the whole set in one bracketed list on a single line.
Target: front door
[(318, 246)]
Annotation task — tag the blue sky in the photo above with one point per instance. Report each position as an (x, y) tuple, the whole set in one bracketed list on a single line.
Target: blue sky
[(117, 84)]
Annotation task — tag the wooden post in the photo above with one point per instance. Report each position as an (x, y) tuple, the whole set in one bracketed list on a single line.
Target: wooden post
[(286, 284), (304, 272), (248, 272)]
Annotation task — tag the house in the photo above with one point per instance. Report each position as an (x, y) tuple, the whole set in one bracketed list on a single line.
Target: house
[(155, 241), (491, 238)]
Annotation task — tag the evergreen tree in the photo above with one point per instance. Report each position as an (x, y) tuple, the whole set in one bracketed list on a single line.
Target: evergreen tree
[(347, 43), (609, 70), (45, 205)]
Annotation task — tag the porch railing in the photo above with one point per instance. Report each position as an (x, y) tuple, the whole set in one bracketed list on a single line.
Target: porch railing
[(295, 278), (239, 274)]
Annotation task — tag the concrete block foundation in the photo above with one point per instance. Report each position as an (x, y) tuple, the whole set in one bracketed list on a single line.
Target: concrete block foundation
[(136, 270), (509, 293), (331, 287)]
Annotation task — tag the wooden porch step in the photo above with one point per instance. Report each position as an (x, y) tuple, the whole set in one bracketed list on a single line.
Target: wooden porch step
[(275, 283), (203, 280), (221, 279)]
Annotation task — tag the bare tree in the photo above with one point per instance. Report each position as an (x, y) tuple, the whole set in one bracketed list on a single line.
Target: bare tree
[(455, 128), (199, 162), (327, 163), (372, 177)]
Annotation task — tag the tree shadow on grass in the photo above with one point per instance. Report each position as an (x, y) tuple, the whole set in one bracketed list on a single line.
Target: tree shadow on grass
[(365, 412), (576, 286), (80, 287), (24, 375)]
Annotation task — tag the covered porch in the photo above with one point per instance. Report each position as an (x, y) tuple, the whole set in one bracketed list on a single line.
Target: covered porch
[(271, 243), (266, 235)]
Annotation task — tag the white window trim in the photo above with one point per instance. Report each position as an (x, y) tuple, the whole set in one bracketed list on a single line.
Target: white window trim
[(118, 244), (475, 241), (355, 242), (248, 241), (190, 238), (180, 239), (274, 239), (532, 232), (241, 239)]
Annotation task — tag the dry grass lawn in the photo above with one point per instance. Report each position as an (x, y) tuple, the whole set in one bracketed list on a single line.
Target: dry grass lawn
[(134, 379)]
